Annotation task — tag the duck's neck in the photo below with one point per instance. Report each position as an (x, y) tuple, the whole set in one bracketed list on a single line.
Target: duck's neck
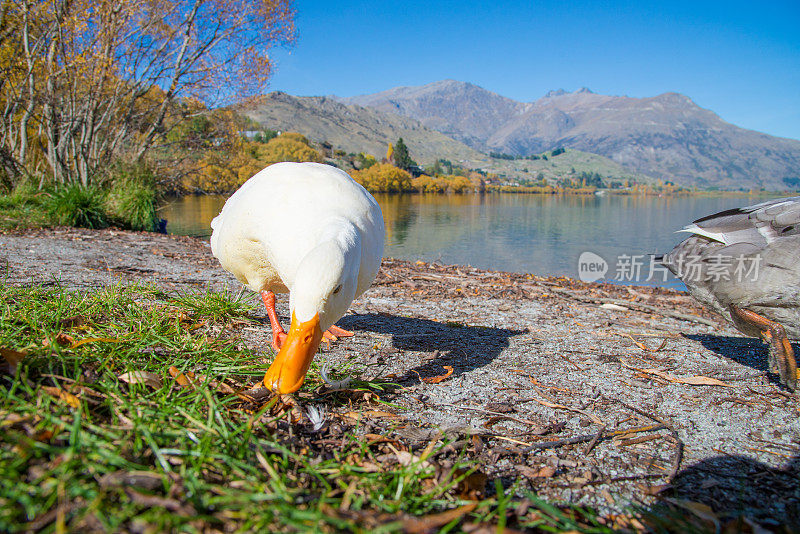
[(333, 262)]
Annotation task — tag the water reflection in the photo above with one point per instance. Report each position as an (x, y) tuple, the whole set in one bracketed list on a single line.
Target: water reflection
[(526, 233)]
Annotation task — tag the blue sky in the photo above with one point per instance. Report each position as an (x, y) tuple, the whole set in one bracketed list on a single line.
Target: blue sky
[(739, 59)]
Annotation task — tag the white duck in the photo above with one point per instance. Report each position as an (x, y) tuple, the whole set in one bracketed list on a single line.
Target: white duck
[(310, 230)]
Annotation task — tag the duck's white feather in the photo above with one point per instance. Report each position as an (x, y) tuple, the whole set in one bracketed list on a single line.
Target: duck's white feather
[(305, 228)]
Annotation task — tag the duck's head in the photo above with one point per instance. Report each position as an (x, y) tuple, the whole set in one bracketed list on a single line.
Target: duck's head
[(324, 287)]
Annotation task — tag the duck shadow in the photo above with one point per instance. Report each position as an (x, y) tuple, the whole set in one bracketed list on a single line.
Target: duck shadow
[(748, 351), (735, 486), (462, 347)]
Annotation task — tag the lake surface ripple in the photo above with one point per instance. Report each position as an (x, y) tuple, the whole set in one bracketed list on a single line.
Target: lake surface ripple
[(539, 234)]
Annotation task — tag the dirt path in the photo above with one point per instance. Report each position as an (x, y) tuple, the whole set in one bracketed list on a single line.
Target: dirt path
[(540, 366)]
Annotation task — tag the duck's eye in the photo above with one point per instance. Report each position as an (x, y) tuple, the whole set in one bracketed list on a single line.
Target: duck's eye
[(338, 288)]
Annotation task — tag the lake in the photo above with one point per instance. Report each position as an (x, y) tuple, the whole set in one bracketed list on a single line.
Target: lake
[(539, 234)]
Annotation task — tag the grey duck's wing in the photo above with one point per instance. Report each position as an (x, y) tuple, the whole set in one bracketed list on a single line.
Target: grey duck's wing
[(745, 256), (758, 225)]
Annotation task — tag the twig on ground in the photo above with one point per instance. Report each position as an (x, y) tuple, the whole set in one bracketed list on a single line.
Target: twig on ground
[(590, 437), (481, 410), (595, 440), (640, 307), (562, 407), (676, 464)]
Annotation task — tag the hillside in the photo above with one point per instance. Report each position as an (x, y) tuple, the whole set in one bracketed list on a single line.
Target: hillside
[(666, 136), (353, 128), (567, 165)]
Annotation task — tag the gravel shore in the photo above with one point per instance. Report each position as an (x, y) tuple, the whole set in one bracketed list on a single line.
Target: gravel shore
[(595, 394)]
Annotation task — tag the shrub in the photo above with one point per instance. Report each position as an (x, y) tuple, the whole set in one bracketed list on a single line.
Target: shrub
[(442, 184), (78, 205), (363, 161), (287, 147), (131, 201), (384, 178)]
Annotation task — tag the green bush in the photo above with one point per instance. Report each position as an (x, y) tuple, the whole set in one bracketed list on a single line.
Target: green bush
[(131, 201), (78, 205)]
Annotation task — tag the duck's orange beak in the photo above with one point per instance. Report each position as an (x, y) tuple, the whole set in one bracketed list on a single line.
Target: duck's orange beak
[(287, 372)]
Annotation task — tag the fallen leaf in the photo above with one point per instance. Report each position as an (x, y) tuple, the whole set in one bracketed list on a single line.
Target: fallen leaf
[(95, 340), (405, 458), (141, 479), (531, 472), (645, 347), (437, 379), (75, 320), (183, 379), (418, 525), (65, 396), (188, 378), (615, 307), (142, 377), (12, 358), (61, 338), (377, 438), (704, 381), (692, 380), (43, 435), (369, 414), (370, 467)]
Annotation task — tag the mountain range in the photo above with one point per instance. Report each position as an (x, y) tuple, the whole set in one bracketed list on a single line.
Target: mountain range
[(667, 137), (353, 128)]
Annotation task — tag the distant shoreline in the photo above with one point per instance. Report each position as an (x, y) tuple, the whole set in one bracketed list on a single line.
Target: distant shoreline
[(522, 190)]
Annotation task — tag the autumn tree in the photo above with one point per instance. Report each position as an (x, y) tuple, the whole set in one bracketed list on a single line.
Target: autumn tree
[(289, 146), (384, 178), (83, 81), (224, 170)]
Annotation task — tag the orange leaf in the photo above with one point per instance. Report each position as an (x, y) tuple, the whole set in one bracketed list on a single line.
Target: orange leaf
[(431, 522), (94, 340), (692, 380), (437, 379), (190, 379), (370, 414), (12, 358), (182, 379), (61, 339), (704, 381), (65, 396)]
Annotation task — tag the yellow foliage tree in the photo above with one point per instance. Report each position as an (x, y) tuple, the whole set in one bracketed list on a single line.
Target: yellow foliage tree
[(384, 178), (85, 81), (223, 171), (287, 147), (442, 184), (218, 173), (295, 136)]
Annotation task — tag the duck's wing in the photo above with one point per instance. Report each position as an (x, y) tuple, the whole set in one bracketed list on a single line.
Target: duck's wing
[(757, 225)]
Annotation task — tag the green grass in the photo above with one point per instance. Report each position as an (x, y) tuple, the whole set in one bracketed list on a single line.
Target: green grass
[(126, 200), (131, 200), (78, 205), (83, 449), (24, 210)]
